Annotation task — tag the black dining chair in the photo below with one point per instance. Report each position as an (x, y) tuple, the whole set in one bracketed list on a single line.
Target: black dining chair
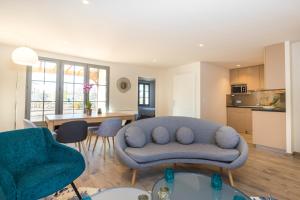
[(73, 132)]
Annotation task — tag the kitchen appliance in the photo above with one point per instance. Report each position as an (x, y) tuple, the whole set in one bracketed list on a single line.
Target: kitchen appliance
[(238, 88)]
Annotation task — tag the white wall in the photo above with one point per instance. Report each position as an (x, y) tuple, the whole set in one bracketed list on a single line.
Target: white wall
[(192, 68), (295, 62), (118, 100), (214, 87)]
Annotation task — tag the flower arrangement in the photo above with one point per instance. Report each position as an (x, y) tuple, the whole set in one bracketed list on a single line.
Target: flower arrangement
[(88, 105)]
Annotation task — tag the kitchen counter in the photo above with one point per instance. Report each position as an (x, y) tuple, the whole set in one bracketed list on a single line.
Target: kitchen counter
[(259, 108)]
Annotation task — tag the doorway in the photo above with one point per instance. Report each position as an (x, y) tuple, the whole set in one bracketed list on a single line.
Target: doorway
[(146, 98)]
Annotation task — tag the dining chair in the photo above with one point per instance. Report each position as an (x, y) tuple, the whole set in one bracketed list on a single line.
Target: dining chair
[(108, 128), (28, 124), (73, 132)]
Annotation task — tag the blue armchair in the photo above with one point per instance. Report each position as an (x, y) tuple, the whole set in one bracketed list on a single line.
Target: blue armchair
[(33, 165)]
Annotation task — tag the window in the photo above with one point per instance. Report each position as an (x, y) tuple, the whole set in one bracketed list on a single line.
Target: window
[(56, 87), (144, 94)]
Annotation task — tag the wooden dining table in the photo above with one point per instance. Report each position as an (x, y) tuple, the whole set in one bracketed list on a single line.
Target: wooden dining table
[(56, 120)]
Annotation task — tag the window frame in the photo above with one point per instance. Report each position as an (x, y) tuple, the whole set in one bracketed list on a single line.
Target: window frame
[(60, 84), (144, 96)]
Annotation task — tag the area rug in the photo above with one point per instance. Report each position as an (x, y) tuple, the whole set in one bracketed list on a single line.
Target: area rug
[(69, 194)]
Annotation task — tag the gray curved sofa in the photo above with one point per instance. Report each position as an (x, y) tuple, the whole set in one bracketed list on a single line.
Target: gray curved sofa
[(202, 151)]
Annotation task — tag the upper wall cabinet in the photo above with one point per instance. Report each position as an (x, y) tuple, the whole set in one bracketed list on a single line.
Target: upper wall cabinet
[(252, 76), (275, 66)]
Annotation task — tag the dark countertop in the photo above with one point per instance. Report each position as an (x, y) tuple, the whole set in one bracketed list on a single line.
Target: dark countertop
[(259, 108)]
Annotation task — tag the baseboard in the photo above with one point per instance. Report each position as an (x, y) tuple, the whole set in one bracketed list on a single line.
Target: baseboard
[(271, 149)]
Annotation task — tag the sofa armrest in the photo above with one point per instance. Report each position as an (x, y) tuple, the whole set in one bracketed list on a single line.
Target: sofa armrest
[(7, 184), (243, 149), (62, 153), (120, 146)]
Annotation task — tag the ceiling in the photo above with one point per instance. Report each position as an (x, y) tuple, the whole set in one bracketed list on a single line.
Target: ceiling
[(161, 33)]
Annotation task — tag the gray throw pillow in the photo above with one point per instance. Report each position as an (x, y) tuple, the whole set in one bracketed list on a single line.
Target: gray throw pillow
[(135, 137), (160, 135), (185, 135), (227, 137)]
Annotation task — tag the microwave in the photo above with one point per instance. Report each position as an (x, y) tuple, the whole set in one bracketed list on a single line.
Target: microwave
[(238, 88)]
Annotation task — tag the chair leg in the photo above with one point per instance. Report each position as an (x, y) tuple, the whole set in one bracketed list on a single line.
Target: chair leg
[(95, 143), (133, 178), (108, 141), (230, 178), (104, 150), (76, 191), (79, 147), (85, 152), (89, 141), (113, 139)]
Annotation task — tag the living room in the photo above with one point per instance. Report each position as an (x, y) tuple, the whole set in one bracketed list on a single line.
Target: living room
[(135, 91)]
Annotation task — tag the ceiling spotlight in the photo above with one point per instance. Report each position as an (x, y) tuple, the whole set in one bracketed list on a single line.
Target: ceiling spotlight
[(238, 65), (85, 2), (201, 45), (154, 60)]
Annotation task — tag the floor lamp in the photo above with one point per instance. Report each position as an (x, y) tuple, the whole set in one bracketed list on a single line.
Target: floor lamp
[(26, 57)]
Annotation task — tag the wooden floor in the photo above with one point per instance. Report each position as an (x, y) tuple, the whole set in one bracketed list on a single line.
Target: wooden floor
[(265, 173)]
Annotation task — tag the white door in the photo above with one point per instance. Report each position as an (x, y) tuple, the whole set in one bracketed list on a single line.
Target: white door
[(184, 94)]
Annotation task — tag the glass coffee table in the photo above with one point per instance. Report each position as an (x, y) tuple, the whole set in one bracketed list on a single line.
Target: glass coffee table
[(123, 193), (192, 186)]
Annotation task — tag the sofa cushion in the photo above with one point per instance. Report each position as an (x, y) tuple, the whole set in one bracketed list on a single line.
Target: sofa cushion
[(160, 135), (185, 135), (135, 137), (227, 137), (154, 152)]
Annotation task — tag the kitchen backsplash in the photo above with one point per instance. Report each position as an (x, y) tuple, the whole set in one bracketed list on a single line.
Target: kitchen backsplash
[(274, 98)]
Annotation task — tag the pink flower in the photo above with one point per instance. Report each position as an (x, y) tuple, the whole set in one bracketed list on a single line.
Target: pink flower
[(87, 87)]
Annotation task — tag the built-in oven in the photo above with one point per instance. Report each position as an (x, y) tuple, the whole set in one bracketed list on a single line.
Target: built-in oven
[(238, 88)]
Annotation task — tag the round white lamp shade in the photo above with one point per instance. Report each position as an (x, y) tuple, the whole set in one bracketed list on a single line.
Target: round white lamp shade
[(24, 56)]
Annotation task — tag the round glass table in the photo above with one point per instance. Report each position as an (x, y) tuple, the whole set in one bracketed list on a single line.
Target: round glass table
[(192, 186), (125, 193)]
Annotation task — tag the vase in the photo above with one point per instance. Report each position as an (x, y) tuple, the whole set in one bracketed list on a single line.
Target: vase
[(88, 111)]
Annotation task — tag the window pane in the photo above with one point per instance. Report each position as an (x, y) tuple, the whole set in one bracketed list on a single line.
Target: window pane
[(94, 76), (36, 116), (78, 105), (93, 93), (68, 73), (50, 91), (146, 88), (37, 91), (78, 111), (102, 93), (146, 101), (38, 72), (36, 106), (79, 74), (141, 101), (68, 111), (102, 77), (68, 92), (102, 105), (50, 71), (49, 106), (141, 94), (68, 106), (141, 87), (147, 95), (78, 92)]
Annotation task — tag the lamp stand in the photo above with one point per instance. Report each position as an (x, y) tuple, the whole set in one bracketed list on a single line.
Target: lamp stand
[(16, 101)]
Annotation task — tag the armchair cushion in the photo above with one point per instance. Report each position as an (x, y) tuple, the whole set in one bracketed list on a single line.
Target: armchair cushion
[(46, 178)]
